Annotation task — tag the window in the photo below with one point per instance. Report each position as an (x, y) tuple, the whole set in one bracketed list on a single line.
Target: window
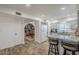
[(64, 27)]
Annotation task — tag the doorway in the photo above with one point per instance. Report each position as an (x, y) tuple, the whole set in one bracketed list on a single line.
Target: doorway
[(29, 32)]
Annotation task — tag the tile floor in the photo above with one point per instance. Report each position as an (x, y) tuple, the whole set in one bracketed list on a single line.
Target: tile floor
[(30, 48)]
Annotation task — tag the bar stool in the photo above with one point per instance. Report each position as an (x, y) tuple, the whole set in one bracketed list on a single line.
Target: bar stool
[(69, 47), (53, 46)]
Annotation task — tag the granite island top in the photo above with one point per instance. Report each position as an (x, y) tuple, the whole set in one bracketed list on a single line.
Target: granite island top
[(67, 38)]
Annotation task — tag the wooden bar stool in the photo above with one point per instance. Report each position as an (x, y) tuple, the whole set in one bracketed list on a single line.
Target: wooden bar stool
[(69, 47), (53, 46)]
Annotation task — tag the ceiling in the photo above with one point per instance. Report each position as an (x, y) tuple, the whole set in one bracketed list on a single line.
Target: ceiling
[(50, 11)]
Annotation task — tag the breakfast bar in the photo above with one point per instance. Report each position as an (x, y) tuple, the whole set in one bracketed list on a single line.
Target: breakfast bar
[(65, 38)]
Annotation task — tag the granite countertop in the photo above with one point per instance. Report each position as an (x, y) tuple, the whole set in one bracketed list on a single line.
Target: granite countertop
[(68, 38)]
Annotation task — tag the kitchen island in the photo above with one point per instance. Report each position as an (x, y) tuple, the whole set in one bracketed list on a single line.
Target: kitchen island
[(71, 39)]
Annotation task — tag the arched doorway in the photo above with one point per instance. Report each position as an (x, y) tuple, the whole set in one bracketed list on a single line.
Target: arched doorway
[(29, 32)]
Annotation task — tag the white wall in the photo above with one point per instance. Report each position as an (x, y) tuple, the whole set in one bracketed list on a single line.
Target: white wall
[(25, 16), (11, 31)]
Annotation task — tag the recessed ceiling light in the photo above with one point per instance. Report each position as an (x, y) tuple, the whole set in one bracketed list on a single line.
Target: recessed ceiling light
[(63, 8), (28, 5)]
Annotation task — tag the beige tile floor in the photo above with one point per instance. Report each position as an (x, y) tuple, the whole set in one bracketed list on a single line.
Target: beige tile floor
[(34, 48), (30, 48)]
